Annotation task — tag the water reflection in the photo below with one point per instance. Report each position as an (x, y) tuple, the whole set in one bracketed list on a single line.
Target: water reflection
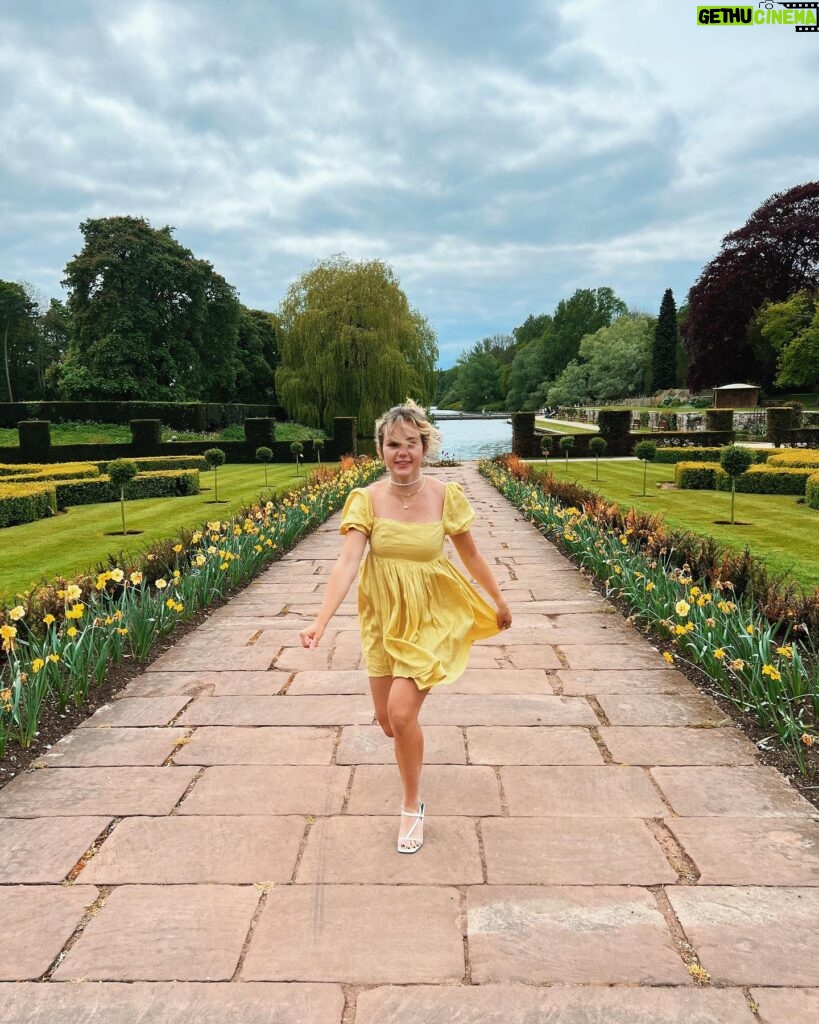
[(475, 439)]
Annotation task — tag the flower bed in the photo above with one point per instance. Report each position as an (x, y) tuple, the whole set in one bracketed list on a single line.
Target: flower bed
[(64, 637), (766, 667)]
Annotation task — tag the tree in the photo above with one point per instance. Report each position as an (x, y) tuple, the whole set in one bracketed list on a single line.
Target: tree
[(617, 358), (264, 455), (257, 356), (17, 338), (664, 345), (774, 255), (566, 442), (120, 471), (149, 320), (791, 329), (297, 449), (571, 387), (351, 345), (735, 461), (597, 445), (214, 458), (585, 312), (646, 451)]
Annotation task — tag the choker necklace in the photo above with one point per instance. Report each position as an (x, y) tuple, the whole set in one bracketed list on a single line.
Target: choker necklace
[(394, 483), (405, 498)]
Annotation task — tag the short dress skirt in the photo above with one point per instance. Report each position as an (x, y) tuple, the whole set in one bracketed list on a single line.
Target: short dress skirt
[(419, 615)]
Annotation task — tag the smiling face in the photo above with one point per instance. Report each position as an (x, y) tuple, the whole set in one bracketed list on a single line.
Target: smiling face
[(402, 451)]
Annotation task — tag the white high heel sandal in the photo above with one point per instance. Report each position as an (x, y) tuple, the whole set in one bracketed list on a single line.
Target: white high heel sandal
[(410, 843)]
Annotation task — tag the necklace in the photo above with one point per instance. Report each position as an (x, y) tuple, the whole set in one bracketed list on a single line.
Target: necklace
[(407, 497)]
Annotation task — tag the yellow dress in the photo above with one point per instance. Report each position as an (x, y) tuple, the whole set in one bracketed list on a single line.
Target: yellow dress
[(419, 615)]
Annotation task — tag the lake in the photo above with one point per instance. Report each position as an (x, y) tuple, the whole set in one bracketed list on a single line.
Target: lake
[(475, 439)]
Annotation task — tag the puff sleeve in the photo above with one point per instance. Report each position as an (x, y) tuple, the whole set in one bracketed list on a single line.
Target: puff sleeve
[(357, 514), (458, 513)]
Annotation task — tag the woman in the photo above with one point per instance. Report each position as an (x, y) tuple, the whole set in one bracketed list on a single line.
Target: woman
[(419, 615)]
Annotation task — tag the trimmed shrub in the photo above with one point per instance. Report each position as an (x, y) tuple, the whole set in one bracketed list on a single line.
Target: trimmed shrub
[(25, 503), (812, 491), (614, 424), (524, 442), (698, 476), (695, 438), (770, 480), (719, 419), (260, 431), (156, 462), (35, 438), (56, 472), (779, 420), (146, 435), (792, 458), (344, 437), (160, 484)]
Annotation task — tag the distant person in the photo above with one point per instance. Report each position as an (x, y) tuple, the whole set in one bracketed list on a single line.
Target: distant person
[(418, 614)]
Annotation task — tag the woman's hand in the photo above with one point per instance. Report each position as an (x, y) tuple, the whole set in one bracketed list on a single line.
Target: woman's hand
[(504, 615), (311, 635)]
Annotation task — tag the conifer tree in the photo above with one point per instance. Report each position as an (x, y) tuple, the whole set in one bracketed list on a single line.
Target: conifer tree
[(664, 347)]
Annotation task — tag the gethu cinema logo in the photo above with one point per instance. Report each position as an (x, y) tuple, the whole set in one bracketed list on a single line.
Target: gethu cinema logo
[(803, 16)]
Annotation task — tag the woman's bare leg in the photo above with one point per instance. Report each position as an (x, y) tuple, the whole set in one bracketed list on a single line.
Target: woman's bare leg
[(403, 705), (380, 689)]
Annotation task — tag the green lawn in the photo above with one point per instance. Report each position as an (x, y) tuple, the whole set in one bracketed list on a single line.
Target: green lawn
[(561, 428), (120, 433), (77, 540), (779, 530)]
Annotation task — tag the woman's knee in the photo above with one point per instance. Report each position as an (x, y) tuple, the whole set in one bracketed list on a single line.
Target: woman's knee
[(384, 722), (402, 717)]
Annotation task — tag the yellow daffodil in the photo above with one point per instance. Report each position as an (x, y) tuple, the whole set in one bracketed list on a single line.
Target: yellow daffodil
[(177, 548), (49, 619), (750, 629), (170, 603), (719, 654), (161, 584), (123, 631), (695, 591), (682, 608), (73, 592), (17, 613), (772, 672), (786, 652), (737, 664), (53, 658), (650, 586), (669, 657), (71, 631), (36, 665), (135, 578), (117, 575), (807, 739)]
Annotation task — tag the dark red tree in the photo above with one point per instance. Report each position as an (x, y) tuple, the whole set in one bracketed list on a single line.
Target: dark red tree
[(774, 255)]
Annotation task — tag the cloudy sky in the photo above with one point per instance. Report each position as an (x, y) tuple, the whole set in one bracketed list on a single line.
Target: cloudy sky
[(498, 155)]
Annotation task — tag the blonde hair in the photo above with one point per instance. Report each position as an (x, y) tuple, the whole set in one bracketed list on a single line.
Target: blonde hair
[(412, 413)]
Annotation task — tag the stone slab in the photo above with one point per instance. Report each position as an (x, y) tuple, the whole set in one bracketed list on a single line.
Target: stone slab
[(625, 681), (742, 792), (529, 656), (661, 709), (137, 712), (249, 684), (784, 1006), (268, 789), (754, 851), (44, 849), (100, 748), (36, 923), (632, 656), (312, 682), (94, 791), (358, 934), (178, 849), (172, 1003), (509, 744), (561, 1004), (217, 657), (503, 680), (368, 744), (164, 933), (300, 745), (296, 659), (577, 792), (570, 935), (361, 851), (170, 684), (500, 709), (287, 710), (572, 851), (752, 936), (446, 789), (677, 746)]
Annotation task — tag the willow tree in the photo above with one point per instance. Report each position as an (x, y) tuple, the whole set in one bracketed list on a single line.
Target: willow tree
[(351, 344)]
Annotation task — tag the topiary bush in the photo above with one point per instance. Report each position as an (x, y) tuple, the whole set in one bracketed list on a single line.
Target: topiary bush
[(35, 438), (735, 461), (297, 448), (120, 472), (794, 458), (778, 421), (566, 443), (614, 424), (146, 435), (26, 502), (770, 480), (214, 458), (524, 440), (265, 455), (646, 452), (597, 445), (260, 431), (719, 419), (812, 491), (697, 476)]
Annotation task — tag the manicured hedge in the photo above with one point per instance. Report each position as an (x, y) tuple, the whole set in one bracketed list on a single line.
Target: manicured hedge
[(669, 456), (160, 484), (152, 463), (32, 468), (614, 424), (769, 480), (524, 441), (260, 431), (698, 476), (35, 438), (57, 472), (719, 419), (779, 422), (812, 491), (25, 503), (804, 435), (145, 434), (695, 438), (795, 458), (179, 415)]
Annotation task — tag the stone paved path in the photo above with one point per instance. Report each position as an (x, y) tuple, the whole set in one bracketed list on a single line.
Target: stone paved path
[(221, 839)]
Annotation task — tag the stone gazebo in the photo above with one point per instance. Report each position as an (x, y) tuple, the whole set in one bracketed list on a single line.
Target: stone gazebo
[(736, 396)]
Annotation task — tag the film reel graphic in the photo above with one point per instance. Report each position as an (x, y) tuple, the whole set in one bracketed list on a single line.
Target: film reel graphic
[(797, 7)]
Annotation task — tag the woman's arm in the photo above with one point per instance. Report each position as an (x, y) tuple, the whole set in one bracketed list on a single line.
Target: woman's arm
[(480, 571), (340, 581)]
